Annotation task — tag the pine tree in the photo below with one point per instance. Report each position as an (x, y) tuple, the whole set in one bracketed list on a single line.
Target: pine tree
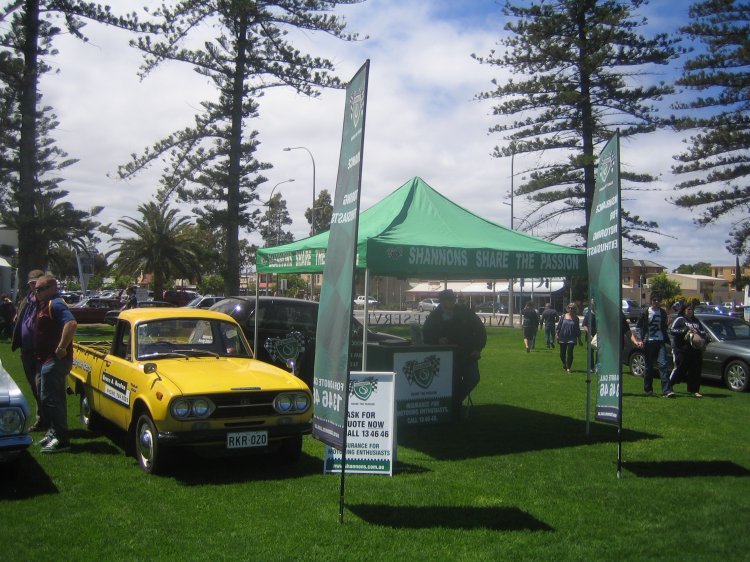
[(717, 161), (323, 213), (211, 163), (25, 47), (579, 62), (273, 222)]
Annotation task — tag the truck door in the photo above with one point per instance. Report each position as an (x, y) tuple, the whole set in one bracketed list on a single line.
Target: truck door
[(115, 392)]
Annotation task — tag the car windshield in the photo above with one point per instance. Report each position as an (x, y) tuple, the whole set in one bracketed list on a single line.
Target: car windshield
[(189, 337), (728, 329)]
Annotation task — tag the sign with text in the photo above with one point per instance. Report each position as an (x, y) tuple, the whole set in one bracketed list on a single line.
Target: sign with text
[(604, 258), (335, 312), (371, 427), (424, 386)]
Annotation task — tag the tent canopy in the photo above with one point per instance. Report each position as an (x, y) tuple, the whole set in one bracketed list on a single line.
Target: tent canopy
[(417, 232)]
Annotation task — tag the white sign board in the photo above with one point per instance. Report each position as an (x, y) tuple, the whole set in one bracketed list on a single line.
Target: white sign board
[(424, 386), (371, 427)]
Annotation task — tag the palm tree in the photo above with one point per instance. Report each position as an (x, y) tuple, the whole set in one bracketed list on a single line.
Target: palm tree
[(162, 243)]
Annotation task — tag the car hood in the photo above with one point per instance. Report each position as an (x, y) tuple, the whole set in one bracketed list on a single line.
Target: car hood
[(197, 375)]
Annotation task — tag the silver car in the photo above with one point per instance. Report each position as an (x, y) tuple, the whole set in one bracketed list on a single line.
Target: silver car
[(427, 304), (14, 417), (726, 357)]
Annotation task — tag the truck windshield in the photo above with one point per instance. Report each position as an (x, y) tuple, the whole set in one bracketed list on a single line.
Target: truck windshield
[(189, 337)]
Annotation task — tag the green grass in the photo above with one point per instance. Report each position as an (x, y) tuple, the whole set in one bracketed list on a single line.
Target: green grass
[(519, 479)]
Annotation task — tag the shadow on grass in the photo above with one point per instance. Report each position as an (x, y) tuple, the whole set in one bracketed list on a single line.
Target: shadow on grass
[(497, 429), (93, 331), (24, 479), (685, 469), (193, 469), (463, 518)]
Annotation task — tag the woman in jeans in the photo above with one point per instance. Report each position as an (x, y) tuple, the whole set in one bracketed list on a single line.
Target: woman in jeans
[(568, 334)]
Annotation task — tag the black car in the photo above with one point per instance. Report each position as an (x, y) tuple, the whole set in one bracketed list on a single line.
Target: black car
[(280, 319), (490, 306), (726, 357)]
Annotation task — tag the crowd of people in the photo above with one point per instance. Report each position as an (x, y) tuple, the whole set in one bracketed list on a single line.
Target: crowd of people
[(43, 329), (685, 335)]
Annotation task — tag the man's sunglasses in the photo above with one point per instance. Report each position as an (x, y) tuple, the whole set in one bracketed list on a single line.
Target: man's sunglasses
[(42, 288)]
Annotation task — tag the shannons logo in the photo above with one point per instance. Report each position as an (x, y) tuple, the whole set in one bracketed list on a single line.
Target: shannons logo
[(422, 373), (363, 389), (606, 165), (357, 104), (285, 348), (395, 253)]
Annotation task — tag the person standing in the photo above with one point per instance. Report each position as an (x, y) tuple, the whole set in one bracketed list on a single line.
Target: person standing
[(653, 327), (456, 324), (53, 341), (23, 337), (8, 315), (530, 325), (549, 319), (589, 326), (688, 358), (568, 333), (132, 300)]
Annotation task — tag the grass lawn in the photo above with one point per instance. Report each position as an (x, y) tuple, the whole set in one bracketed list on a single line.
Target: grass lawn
[(518, 480)]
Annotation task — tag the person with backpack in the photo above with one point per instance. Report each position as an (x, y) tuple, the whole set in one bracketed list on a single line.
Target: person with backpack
[(549, 319)]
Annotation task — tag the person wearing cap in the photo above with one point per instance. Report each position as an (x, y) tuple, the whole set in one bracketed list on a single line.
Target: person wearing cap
[(23, 337), (653, 328), (455, 324), (54, 331)]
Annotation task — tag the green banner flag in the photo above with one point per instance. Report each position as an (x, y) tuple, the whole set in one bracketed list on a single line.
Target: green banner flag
[(331, 376), (604, 255)]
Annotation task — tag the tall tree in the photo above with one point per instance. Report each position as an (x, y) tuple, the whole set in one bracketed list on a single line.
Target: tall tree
[(580, 62), (25, 44), (273, 222), (717, 161), (212, 163), (162, 242), (323, 213)]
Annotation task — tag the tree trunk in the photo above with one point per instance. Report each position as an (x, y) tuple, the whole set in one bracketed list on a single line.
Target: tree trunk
[(232, 275), (31, 253)]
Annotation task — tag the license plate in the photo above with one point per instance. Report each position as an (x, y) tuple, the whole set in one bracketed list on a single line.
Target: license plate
[(247, 439)]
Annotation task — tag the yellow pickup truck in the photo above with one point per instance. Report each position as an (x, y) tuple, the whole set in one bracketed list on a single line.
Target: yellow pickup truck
[(175, 377)]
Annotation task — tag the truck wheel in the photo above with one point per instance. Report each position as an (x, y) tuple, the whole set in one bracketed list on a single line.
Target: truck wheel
[(151, 457), (291, 449), (88, 417)]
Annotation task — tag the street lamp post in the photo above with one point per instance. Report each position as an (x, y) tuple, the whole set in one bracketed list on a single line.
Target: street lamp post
[(312, 209), (278, 222)]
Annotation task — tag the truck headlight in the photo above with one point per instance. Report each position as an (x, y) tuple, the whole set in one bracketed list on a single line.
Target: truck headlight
[(291, 402), (12, 421), (188, 408)]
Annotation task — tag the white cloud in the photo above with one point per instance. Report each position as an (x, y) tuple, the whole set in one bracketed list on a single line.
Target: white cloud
[(421, 121)]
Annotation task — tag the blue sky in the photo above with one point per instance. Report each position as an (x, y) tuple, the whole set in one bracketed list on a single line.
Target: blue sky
[(422, 120)]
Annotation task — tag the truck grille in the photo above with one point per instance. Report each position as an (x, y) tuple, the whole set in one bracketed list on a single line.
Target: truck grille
[(243, 405)]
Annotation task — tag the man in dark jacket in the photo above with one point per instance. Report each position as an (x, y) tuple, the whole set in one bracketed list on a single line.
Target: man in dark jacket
[(456, 324), (23, 337), (653, 327)]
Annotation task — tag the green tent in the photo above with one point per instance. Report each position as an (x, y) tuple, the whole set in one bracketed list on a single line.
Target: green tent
[(417, 232)]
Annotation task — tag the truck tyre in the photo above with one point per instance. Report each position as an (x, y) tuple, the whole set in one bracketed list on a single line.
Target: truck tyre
[(89, 418), (151, 457)]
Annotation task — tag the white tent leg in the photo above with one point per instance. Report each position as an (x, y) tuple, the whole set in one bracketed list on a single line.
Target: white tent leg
[(365, 321)]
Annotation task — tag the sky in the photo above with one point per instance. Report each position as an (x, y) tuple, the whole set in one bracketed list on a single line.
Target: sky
[(422, 120)]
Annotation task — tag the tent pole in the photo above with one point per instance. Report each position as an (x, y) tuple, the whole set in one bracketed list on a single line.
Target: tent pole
[(257, 300), (365, 321)]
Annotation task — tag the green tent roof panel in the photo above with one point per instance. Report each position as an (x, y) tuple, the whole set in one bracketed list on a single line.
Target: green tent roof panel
[(417, 232)]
